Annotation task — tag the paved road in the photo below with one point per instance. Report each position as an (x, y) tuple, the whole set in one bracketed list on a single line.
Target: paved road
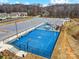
[(10, 29), (53, 21)]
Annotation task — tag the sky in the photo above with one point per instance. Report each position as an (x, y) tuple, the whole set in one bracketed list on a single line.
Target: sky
[(44, 2)]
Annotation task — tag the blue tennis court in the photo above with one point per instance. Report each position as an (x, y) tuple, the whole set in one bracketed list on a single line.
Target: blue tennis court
[(39, 42)]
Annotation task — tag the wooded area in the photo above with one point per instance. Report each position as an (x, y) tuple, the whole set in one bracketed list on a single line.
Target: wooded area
[(61, 10)]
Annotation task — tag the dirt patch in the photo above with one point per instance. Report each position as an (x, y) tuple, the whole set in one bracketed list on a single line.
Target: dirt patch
[(76, 36)]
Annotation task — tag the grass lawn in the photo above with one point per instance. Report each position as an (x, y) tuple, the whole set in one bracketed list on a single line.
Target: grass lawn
[(73, 28), (18, 20), (1, 57)]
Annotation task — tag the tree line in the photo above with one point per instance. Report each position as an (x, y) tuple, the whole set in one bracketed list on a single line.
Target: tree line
[(60, 10)]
